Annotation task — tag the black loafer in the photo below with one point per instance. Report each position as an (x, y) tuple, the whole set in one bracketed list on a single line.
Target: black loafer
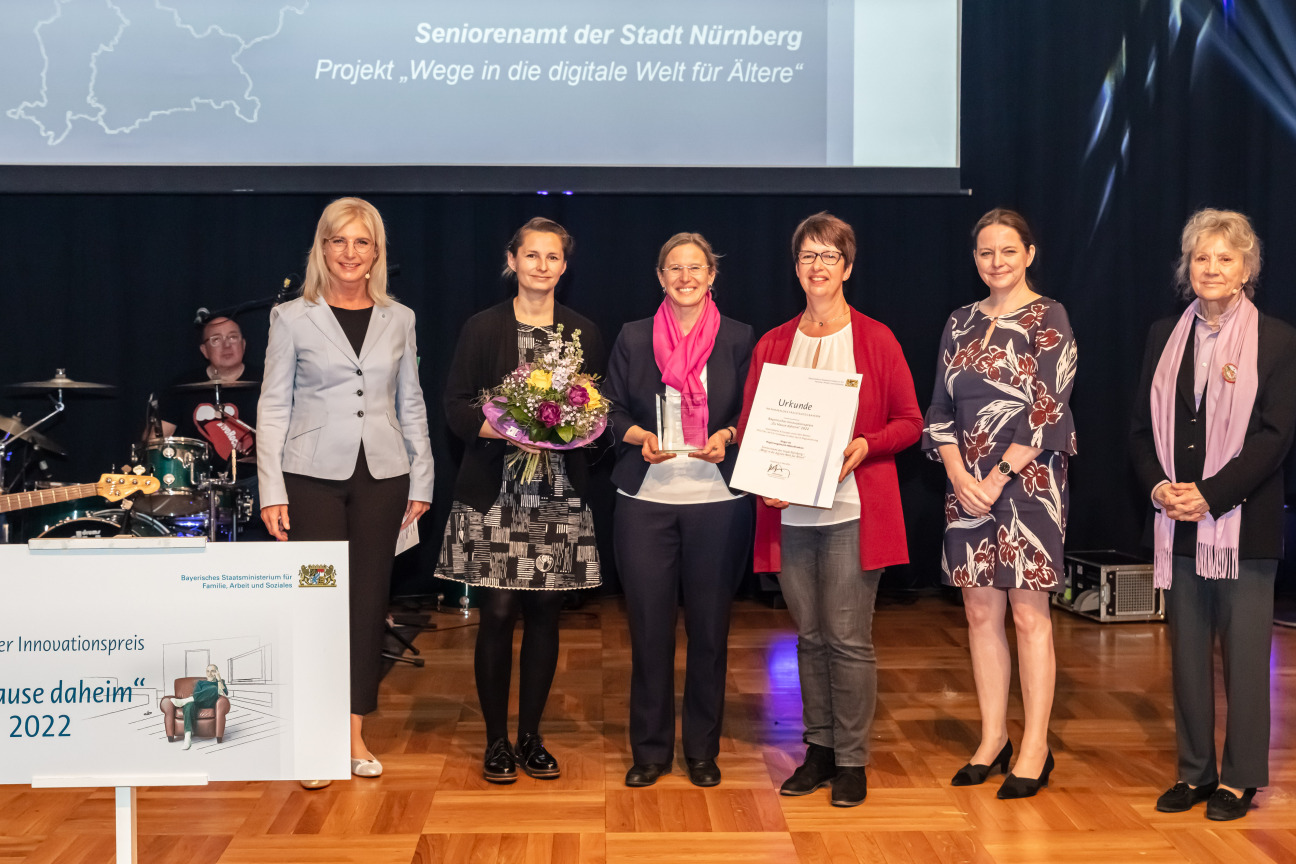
[(500, 765), (703, 772), (536, 761), (849, 787), (1224, 806), (1181, 797), (645, 774)]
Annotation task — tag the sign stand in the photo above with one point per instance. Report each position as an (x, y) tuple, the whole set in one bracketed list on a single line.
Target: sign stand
[(127, 836), (125, 789)]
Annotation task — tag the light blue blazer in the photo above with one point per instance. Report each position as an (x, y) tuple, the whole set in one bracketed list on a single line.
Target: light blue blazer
[(319, 400)]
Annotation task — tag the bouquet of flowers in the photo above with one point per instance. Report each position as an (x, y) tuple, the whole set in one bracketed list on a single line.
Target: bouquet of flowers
[(548, 404)]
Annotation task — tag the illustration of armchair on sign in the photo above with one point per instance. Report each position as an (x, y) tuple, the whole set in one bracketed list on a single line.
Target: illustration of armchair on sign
[(198, 707)]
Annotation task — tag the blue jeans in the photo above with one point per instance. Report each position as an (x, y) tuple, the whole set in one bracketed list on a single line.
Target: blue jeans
[(831, 601)]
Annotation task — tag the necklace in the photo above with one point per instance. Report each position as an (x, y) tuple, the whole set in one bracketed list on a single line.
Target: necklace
[(806, 316)]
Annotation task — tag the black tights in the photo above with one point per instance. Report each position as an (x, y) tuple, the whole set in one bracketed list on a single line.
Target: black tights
[(493, 659)]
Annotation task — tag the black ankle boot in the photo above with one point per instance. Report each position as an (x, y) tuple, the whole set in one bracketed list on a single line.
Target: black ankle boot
[(536, 761), (818, 769), (500, 765), (849, 787)]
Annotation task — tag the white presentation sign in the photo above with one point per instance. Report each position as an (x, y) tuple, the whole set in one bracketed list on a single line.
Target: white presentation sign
[(93, 639)]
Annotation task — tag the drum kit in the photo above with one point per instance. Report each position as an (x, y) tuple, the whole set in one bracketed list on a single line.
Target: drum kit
[(175, 489)]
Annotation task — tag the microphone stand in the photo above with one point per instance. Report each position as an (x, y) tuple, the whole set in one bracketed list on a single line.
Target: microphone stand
[(9, 439)]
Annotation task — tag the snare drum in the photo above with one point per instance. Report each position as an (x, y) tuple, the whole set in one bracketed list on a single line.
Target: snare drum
[(107, 523), (179, 464)]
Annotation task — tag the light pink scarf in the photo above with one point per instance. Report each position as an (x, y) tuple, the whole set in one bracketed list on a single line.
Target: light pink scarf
[(1228, 411), (681, 357)]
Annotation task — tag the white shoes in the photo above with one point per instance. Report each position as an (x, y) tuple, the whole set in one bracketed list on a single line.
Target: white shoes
[(359, 767), (366, 767)]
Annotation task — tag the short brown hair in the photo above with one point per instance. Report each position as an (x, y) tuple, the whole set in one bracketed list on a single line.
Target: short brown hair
[(827, 229), (1237, 232), (686, 238), (1009, 219), (543, 226)]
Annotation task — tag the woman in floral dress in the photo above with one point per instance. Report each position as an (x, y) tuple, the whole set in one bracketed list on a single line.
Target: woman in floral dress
[(1000, 423)]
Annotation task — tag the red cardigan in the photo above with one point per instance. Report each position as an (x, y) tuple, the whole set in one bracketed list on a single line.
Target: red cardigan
[(888, 419)]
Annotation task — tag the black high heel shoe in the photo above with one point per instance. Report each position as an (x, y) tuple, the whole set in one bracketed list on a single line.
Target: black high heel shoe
[(975, 775), (1026, 787)]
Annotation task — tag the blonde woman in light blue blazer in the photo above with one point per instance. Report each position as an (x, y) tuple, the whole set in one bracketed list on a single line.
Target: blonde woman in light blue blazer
[(342, 438)]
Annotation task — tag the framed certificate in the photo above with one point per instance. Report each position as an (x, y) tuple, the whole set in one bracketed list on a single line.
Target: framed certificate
[(797, 432)]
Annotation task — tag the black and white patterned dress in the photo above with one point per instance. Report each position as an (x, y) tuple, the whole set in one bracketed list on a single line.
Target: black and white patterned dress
[(538, 536)]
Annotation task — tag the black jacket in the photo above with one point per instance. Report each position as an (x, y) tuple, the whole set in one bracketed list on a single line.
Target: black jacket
[(634, 381), (485, 353), (1254, 478)]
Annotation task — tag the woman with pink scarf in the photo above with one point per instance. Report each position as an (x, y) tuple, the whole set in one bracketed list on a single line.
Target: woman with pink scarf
[(1208, 442), (679, 528)]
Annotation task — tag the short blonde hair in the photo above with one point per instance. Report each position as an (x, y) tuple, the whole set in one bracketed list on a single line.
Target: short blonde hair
[(1237, 232), (335, 217)]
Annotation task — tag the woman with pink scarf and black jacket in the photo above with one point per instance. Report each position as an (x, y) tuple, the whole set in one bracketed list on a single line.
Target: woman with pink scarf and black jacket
[(1208, 441), (678, 525)]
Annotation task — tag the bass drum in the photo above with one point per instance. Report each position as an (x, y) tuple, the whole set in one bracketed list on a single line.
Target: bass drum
[(35, 521), (107, 523)]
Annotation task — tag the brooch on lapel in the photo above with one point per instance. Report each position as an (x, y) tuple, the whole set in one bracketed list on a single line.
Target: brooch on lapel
[(1229, 373)]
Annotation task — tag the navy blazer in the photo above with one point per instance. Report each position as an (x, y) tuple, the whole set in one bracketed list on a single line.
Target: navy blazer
[(634, 382), (320, 400), (1254, 478)]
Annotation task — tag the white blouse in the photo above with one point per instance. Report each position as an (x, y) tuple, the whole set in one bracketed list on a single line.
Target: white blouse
[(837, 353), (684, 479)]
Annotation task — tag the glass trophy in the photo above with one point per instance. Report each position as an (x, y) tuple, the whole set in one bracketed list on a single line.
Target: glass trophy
[(670, 425)]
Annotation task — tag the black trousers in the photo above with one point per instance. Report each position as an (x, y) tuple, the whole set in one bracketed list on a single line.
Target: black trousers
[(366, 512), (662, 549), (1240, 612)]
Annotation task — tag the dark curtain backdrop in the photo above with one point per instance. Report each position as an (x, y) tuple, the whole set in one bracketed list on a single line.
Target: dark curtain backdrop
[(106, 286)]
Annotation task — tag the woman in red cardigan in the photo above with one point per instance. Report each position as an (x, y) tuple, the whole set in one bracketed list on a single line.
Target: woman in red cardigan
[(829, 560)]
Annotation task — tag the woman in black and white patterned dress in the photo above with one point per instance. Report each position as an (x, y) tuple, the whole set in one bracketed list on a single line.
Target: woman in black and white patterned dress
[(523, 545)]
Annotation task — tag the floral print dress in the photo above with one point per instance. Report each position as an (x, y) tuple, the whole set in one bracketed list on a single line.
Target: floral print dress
[(1013, 387)]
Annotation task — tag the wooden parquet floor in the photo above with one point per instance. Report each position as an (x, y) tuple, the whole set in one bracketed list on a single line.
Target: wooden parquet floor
[(1112, 737)]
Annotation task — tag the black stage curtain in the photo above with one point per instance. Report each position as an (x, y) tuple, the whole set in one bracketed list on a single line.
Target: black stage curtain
[(106, 286)]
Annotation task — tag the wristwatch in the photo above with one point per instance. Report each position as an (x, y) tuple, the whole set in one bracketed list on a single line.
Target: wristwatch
[(1006, 469)]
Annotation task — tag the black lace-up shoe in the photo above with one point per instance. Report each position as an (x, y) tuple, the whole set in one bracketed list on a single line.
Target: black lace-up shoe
[(536, 761), (500, 765)]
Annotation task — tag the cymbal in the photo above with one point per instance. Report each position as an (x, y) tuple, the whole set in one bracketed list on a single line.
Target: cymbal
[(12, 426), (60, 381), (212, 385)]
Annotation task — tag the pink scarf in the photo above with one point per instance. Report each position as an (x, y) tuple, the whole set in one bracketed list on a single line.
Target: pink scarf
[(681, 357), (1228, 411)]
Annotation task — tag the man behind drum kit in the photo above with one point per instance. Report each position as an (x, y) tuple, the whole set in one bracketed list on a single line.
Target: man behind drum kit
[(222, 345), (187, 412)]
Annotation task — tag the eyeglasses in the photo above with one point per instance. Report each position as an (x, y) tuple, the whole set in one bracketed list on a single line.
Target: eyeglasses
[(681, 269), (361, 245), (829, 257), (227, 339)]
